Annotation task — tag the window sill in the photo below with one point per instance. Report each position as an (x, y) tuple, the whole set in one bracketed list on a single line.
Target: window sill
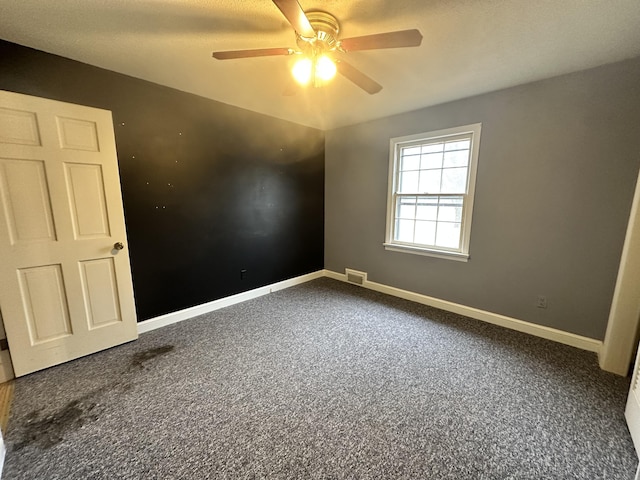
[(459, 257)]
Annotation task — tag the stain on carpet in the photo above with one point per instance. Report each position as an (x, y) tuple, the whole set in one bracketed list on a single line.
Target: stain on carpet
[(51, 430), (139, 359), (44, 431)]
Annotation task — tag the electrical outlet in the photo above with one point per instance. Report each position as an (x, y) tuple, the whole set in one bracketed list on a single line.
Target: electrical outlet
[(243, 274), (541, 302)]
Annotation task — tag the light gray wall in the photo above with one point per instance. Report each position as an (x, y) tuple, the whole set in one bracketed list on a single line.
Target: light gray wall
[(558, 164)]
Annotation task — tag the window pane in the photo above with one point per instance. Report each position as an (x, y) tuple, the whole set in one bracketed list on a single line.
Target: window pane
[(454, 180), (410, 151), (432, 148), (458, 158), (408, 182), (430, 181), (431, 160), (425, 233), (458, 145), (430, 203), (410, 162), (450, 209), (404, 230), (448, 235), (427, 208), (407, 207)]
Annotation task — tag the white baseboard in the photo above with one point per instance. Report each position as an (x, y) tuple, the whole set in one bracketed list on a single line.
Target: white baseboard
[(549, 333), (175, 317), (560, 336)]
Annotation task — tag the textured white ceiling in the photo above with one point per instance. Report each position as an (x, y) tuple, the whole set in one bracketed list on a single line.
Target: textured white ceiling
[(469, 47)]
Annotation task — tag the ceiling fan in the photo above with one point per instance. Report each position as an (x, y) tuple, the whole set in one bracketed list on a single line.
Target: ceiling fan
[(320, 47)]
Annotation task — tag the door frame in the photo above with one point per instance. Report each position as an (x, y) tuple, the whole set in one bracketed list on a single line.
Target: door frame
[(621, 338)]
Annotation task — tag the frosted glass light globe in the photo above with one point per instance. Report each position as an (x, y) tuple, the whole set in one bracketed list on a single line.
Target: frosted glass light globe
[(302, 71)]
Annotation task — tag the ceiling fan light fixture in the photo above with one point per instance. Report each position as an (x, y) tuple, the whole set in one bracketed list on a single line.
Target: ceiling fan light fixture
[(318, 71), (302, 70), (325, 69)]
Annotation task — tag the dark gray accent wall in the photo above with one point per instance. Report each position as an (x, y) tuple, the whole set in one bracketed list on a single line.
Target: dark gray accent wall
[(209, 190), (557, 169)]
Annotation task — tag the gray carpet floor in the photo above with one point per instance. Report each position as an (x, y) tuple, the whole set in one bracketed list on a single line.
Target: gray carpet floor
[(324, 380)]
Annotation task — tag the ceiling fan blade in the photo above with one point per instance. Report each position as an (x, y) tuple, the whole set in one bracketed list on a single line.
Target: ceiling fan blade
[(368, 84), (293, 12), (260, 52), (401, 38)]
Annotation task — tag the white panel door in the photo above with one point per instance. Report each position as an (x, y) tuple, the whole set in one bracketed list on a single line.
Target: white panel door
[(65, 279)]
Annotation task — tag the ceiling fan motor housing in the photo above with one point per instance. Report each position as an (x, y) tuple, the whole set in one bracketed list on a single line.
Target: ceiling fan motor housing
[(327, 29)]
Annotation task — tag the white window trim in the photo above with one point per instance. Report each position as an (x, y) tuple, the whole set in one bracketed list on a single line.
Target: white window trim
[(467, 213)]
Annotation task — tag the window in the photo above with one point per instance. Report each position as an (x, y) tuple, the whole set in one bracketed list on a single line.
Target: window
[(431, 183)]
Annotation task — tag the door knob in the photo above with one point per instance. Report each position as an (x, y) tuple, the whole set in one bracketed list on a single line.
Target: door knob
[(118, 246)]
